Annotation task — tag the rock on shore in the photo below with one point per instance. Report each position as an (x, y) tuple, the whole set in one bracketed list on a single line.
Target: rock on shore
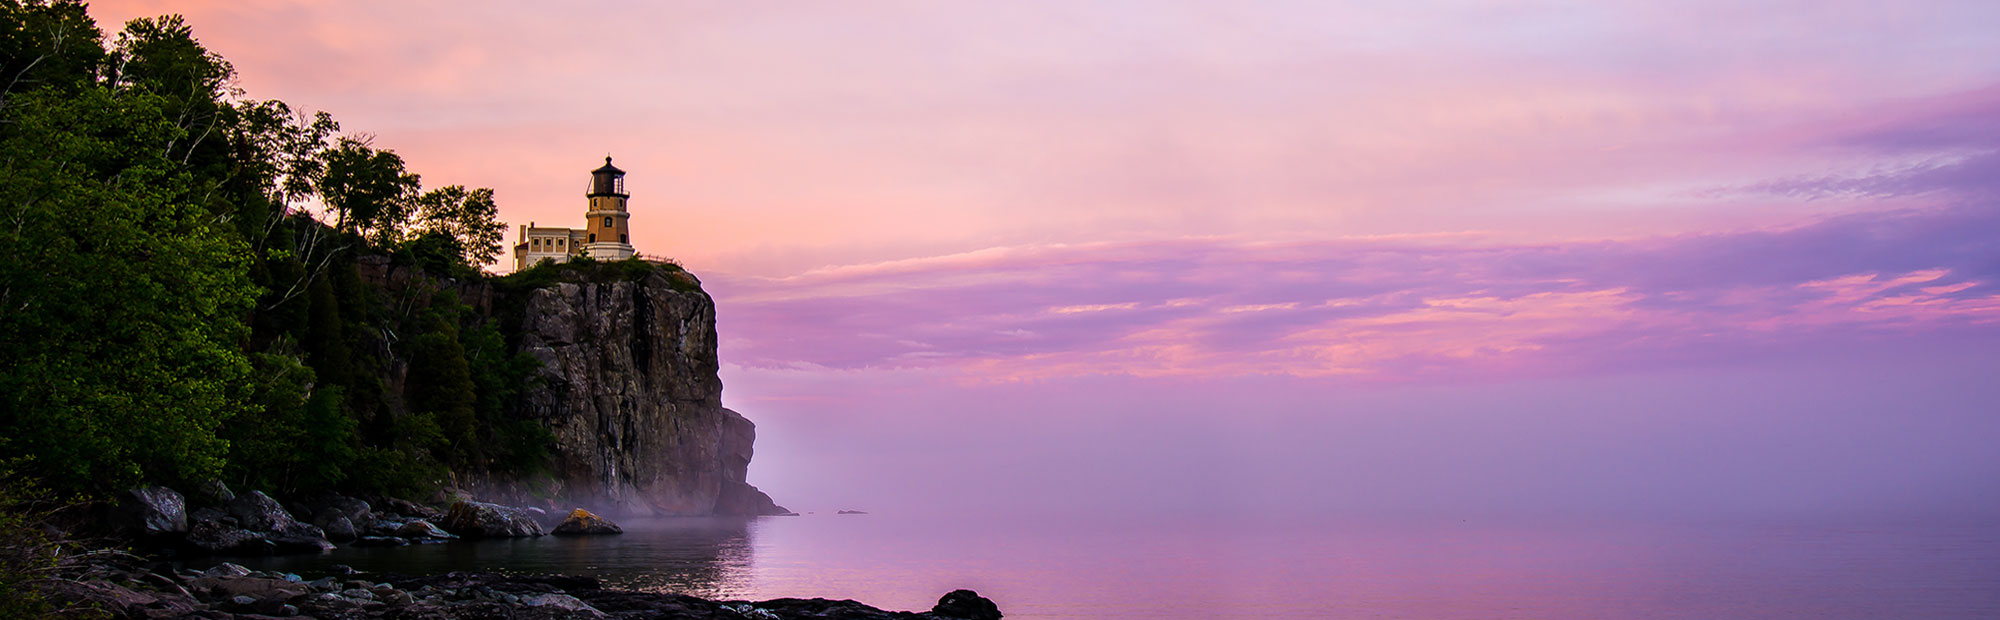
[(230, 592), (482, 520), (582, 523), (252, 523)]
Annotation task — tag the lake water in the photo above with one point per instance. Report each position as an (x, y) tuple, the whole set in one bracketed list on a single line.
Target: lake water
[(1166, 568)]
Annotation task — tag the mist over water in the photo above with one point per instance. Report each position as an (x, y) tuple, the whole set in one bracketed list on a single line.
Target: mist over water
[(1847, 485), (1861, 433), (1091, 566)]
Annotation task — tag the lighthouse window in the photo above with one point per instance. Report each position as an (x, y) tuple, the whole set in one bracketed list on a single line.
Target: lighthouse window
[(593, 237), (624, 239), (607, 221)]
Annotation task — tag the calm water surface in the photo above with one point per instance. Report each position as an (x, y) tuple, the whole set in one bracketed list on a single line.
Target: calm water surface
[(1166, 569)]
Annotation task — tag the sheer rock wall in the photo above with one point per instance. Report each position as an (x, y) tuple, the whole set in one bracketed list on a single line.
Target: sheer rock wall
[(629, 389)]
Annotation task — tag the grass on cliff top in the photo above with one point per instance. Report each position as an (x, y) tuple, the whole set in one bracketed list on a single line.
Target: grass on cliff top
[(583, 269)]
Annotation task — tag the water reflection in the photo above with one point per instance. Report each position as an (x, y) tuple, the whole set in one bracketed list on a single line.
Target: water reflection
[(708, 557), (1167, 567)]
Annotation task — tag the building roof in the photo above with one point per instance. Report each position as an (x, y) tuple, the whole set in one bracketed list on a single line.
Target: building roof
[(608, 167)]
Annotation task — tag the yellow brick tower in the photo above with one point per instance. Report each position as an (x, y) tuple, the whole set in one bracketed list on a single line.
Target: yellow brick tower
[(607, 235)]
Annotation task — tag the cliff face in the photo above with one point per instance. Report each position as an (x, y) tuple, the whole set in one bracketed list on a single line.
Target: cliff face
[(629, 389)]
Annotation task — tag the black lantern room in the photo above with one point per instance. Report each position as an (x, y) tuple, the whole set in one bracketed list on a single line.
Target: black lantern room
[(607, 181)]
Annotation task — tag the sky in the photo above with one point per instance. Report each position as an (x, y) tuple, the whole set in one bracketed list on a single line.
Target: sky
[(1431, 257)]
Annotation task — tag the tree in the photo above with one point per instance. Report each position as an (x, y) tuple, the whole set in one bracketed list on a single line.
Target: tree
[(124, 298), (469, 217), (299, 439), (52, 45), (368, 190), (440, 384), (160, 56)]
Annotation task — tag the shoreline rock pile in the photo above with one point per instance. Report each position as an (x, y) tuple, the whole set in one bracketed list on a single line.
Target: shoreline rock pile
[(231, 592), (253, 523)]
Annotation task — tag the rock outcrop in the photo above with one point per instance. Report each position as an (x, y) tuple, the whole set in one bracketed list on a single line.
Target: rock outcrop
[(251, 524), (483, 520), (151, 513), (967, 605), (582, 523), (629, 389)]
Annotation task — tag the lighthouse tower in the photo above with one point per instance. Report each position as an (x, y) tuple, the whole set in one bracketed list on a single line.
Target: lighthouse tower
[(607, 235)]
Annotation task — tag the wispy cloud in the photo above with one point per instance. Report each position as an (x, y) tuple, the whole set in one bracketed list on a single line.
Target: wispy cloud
[(1372, 308), (1943, 145)]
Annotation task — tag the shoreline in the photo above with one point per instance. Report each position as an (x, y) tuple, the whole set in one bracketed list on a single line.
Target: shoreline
[(153, 591)]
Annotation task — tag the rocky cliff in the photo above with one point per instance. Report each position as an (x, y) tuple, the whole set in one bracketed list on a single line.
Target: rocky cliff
[(628, 387)]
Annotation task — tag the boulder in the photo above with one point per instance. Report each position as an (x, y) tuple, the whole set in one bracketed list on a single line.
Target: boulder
[(300, 538), (380, 527), (253, 587), (558, 601), (209, 515), (218, 538), (483, 520), (151, 512), (257, 511), (581, 522), (254, 524), (966, 605), (212, 493), (411, 509), (419, 528), (329, 505), (337, 527), (379, 541), (226, 569)]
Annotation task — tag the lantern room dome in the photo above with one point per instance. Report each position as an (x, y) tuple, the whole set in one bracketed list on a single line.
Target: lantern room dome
[(608, 168), (607, 181)]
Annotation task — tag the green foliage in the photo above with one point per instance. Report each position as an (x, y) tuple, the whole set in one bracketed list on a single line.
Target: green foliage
[(298, 439), (395, 471), (325, 336), (367, 189), (466, 217), (509, 444), (436, 253), (161, 56), (586, 269), (47, 45), (124, 297), (440, 387), (173, 310), (26, 552)]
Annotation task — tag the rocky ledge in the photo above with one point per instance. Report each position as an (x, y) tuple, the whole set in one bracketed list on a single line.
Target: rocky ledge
[(231, 592)]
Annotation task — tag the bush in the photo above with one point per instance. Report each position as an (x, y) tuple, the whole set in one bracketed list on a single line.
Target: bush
[(27, 553)]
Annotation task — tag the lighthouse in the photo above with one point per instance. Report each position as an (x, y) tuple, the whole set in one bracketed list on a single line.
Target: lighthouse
[(607, 234)]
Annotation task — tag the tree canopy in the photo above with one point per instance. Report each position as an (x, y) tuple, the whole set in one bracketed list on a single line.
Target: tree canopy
[(182, 299)]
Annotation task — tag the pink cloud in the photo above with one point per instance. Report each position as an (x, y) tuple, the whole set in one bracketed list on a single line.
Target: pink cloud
[(774, 140), (1378, 310)]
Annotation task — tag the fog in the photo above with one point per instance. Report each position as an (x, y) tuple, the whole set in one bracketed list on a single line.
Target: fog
[(1888, 429)]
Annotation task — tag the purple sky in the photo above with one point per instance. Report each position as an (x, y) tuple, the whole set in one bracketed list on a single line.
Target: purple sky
[(1429, 257)]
